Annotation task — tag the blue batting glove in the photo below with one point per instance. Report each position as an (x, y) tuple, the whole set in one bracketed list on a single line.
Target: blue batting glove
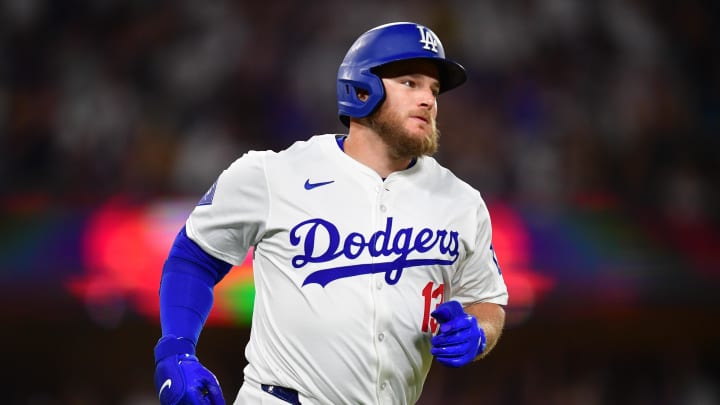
[(180, 379), (460, 338)]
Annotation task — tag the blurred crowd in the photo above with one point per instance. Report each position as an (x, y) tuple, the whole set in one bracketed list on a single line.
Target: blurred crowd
[(568, 102)]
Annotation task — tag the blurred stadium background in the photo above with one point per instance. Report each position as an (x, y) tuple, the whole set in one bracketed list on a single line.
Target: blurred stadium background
[(591, 128)]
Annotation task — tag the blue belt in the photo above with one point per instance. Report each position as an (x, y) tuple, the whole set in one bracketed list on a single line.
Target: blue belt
[(286, 394)]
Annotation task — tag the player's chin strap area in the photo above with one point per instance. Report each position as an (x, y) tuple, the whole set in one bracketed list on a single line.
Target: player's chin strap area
[(288, 395)]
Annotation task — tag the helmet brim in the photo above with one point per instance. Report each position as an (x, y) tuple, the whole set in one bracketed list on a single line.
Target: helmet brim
[(452, 74)]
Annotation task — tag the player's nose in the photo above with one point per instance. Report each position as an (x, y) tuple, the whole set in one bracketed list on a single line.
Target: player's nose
[(427, 98)]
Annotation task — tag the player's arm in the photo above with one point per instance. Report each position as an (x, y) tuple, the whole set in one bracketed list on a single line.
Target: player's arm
[(491, 319), (470, 333), (186, 297)]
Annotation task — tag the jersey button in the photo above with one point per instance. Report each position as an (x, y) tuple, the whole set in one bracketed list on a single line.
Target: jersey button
[(381, 337), (383, 208), (383, 386)]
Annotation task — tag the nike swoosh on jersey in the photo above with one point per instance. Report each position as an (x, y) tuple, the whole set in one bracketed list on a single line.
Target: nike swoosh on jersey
[(310, 186), (166, 384)]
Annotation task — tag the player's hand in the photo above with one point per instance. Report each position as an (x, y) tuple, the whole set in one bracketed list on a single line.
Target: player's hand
[(460, 338), (180, 379)]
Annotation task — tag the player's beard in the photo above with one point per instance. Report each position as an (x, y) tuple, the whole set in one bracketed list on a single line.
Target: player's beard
[(401, 143)]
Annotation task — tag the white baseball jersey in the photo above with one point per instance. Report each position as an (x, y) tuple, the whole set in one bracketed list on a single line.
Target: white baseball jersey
[(347, 266)]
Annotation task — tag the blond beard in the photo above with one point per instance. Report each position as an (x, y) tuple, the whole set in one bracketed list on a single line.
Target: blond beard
[(401, 144)]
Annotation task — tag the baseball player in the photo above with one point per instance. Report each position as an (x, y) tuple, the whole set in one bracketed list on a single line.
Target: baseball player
[(370, 258)]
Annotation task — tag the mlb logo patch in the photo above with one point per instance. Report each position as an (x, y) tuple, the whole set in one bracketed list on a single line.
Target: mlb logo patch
[(207, 199)]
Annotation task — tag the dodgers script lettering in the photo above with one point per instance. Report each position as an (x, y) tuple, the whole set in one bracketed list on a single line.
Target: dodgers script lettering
[(428, 247)]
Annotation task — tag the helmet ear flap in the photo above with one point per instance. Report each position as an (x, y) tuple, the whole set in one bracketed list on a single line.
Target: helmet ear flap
[(349, 102), (347, 95)]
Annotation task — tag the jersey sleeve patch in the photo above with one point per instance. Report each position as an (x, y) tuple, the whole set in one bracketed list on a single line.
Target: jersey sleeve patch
[(207, 199)]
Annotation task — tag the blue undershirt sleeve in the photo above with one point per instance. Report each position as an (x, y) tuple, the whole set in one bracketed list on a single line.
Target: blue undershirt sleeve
[(186, 288)]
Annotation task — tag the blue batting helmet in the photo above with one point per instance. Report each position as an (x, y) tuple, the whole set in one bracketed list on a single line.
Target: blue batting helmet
[(382, 45)]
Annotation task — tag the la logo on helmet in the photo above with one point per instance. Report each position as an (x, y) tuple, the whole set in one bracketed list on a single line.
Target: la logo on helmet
[(428, 39)]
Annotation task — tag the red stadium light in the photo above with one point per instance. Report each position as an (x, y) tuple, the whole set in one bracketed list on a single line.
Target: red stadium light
[(512, 243)]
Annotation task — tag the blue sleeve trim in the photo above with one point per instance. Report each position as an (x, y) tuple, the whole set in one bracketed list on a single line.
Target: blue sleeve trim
[(186, 249), (186, 288)]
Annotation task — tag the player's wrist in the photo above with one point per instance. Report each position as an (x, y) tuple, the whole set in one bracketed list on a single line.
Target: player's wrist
[(482, 341), (170, 345)]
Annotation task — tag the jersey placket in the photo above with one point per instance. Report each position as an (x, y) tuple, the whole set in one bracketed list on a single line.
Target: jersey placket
[(382, 309)]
